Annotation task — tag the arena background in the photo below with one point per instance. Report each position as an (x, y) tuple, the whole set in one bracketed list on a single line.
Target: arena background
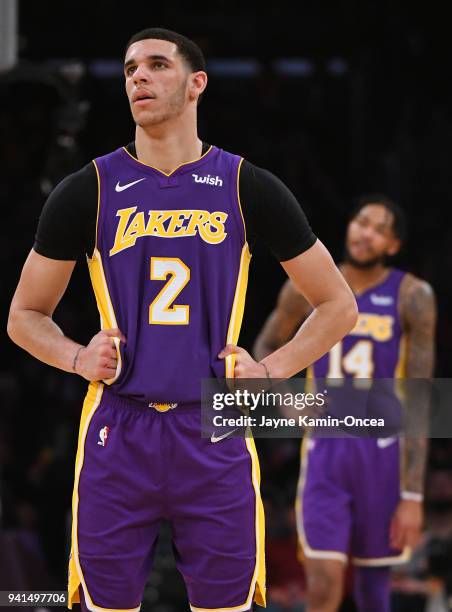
[(337, 100)]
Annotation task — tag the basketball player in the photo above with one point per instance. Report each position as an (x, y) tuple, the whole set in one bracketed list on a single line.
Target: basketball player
[(167, 223), (351, 501)]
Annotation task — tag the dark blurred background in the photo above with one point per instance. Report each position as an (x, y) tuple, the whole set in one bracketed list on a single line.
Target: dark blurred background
[(337, 100)]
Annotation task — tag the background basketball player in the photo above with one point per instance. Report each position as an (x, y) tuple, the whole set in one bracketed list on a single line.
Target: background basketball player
[(351, 499), (166, 224)]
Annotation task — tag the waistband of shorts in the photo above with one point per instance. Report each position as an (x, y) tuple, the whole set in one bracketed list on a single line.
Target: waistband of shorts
[(127, 403)]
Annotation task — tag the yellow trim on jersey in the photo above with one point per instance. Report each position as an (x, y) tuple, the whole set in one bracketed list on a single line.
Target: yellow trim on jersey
[(172, 171), (309, 553), (400, 369), (76, 578), (104, 304), (98, 202), (310, 385), (379, 561), (238, 307), (238, 195), (257, 587), (312, 553)]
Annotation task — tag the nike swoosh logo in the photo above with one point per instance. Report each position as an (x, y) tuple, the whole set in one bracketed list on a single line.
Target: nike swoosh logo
[(385, 442), (120, 188), (215, 439)]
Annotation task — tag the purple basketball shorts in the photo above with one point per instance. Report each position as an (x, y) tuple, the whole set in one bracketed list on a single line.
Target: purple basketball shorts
[(348, 491), (136, 466)]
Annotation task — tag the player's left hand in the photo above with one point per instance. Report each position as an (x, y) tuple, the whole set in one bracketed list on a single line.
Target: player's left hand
[(245, 365), (406, 524)]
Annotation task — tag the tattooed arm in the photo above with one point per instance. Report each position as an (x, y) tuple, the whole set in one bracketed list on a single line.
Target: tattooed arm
[(418, 313)]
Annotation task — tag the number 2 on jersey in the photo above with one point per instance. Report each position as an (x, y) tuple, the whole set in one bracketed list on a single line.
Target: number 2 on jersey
[(161, 311)]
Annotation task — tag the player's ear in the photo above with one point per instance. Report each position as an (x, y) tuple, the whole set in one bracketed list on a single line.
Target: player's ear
[(196, 84)]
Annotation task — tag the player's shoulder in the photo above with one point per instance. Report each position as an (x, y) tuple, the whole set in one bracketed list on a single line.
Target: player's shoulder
[(76, 191), (257, 173), (118, 154), (263, 185), (415, 293), (84, 177), (413, 284)]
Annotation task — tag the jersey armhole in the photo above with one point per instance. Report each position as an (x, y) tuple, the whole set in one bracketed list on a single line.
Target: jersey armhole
[(96, 237), (239, 169)]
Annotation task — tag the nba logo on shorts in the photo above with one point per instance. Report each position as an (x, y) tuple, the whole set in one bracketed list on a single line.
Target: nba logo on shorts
[(103, 435)]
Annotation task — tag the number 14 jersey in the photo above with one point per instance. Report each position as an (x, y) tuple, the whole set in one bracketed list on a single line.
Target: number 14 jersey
[(375, 348)]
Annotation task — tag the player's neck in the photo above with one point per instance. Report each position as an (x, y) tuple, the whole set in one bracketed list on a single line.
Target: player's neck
[(360, 279), (166, 148)]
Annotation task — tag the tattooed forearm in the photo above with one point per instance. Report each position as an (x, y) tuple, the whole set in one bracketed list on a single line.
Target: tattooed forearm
[(418, 311), (415, 456)]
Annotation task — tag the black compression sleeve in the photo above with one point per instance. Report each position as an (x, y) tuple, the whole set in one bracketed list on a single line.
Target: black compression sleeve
[(67, 225), (272, 213)]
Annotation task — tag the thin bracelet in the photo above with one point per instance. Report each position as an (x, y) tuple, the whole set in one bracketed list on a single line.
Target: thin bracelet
[(74, 363), (267, 373), (410, 496)]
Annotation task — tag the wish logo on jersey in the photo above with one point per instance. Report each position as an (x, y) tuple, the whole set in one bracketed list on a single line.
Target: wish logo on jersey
[(208, 180), (167, 224), (381, 300)]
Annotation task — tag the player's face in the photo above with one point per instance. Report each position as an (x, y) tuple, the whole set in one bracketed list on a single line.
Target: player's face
[(370, 236), (158, 81)]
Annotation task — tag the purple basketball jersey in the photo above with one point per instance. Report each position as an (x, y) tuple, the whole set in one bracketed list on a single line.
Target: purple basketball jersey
[(170, 270), (374, 348), (350, 486)]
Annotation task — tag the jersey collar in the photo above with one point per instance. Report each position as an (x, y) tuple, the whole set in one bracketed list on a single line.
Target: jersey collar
[(130, 153)]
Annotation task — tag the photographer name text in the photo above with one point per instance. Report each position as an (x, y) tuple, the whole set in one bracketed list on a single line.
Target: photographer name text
[(300, 421)]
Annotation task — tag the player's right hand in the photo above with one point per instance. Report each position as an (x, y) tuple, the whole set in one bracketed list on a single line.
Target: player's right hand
[(98, 360), (406, 524)]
